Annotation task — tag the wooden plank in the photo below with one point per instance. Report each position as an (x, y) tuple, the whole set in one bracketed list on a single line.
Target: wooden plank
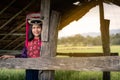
[(53, 34), (10, 52), (48, 48), (18, 27), (22, 43), (106, 45), (45, 14), (105, 36), (14, 34), (13, 52), (107, 63), (84, 54), (12, 42), (16, 14)]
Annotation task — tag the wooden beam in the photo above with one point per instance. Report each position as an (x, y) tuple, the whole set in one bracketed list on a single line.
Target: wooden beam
[(84, 54), (45, 14), (4, 41), (104, 27), (12, 42), (18, 27), (76, 13), (7, 6), (10, 52), (19, 45), (48, 48), (16, 14), (107, 63), (14, 34)]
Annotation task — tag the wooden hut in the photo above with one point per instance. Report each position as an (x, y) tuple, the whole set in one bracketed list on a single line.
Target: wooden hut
[(12, 30)]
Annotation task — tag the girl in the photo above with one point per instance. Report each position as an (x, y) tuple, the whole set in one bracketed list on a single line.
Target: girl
[(32, 47)]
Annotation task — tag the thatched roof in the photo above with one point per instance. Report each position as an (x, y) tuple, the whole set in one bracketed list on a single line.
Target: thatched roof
[(13, 14)]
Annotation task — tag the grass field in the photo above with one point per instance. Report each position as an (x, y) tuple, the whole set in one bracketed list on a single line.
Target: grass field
[(12, 74), (87, 49)]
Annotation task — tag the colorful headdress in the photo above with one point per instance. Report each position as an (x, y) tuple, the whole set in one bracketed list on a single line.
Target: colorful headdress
[(33, 18)]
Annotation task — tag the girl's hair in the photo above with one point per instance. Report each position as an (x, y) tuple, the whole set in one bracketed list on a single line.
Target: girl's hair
[(30, 34)]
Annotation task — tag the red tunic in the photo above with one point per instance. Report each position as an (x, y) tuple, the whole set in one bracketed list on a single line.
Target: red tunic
[(33, 50)]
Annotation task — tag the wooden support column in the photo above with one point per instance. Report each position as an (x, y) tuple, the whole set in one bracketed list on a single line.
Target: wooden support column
[(45, 14), (48, 48), (45, 50), (104, 26), (49, 36)]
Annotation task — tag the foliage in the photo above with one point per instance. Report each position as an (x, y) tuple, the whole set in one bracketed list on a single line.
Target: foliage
[(79, 40), (115, 39)]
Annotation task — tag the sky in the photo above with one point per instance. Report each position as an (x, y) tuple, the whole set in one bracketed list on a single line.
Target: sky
[(90, 21)]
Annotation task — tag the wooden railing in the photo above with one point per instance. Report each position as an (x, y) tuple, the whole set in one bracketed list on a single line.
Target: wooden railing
[(84, 54), (104, 63)]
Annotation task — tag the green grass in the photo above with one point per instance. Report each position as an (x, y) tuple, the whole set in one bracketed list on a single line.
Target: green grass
[(75, 49), (12, 74), (15, 74), (77, 75)]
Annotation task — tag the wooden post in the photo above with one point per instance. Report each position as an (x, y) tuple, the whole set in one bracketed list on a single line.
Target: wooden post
[(48, 48), (104, 26), (45, 14)]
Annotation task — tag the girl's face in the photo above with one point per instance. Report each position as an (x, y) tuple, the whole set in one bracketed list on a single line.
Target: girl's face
[(36, 30)]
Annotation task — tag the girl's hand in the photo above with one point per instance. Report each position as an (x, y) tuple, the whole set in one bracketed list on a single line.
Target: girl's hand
[(6, 56)]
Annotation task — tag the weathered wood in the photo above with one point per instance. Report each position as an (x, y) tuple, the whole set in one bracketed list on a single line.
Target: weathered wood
[(9, 52), (76, 13), (105, 36), (16, 14), (107, 63), (53, 34), (16, 28), (22, 43), (12, 42), (14, 34), (48, 48), (45, 14), (106, 45), (84, 54)]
